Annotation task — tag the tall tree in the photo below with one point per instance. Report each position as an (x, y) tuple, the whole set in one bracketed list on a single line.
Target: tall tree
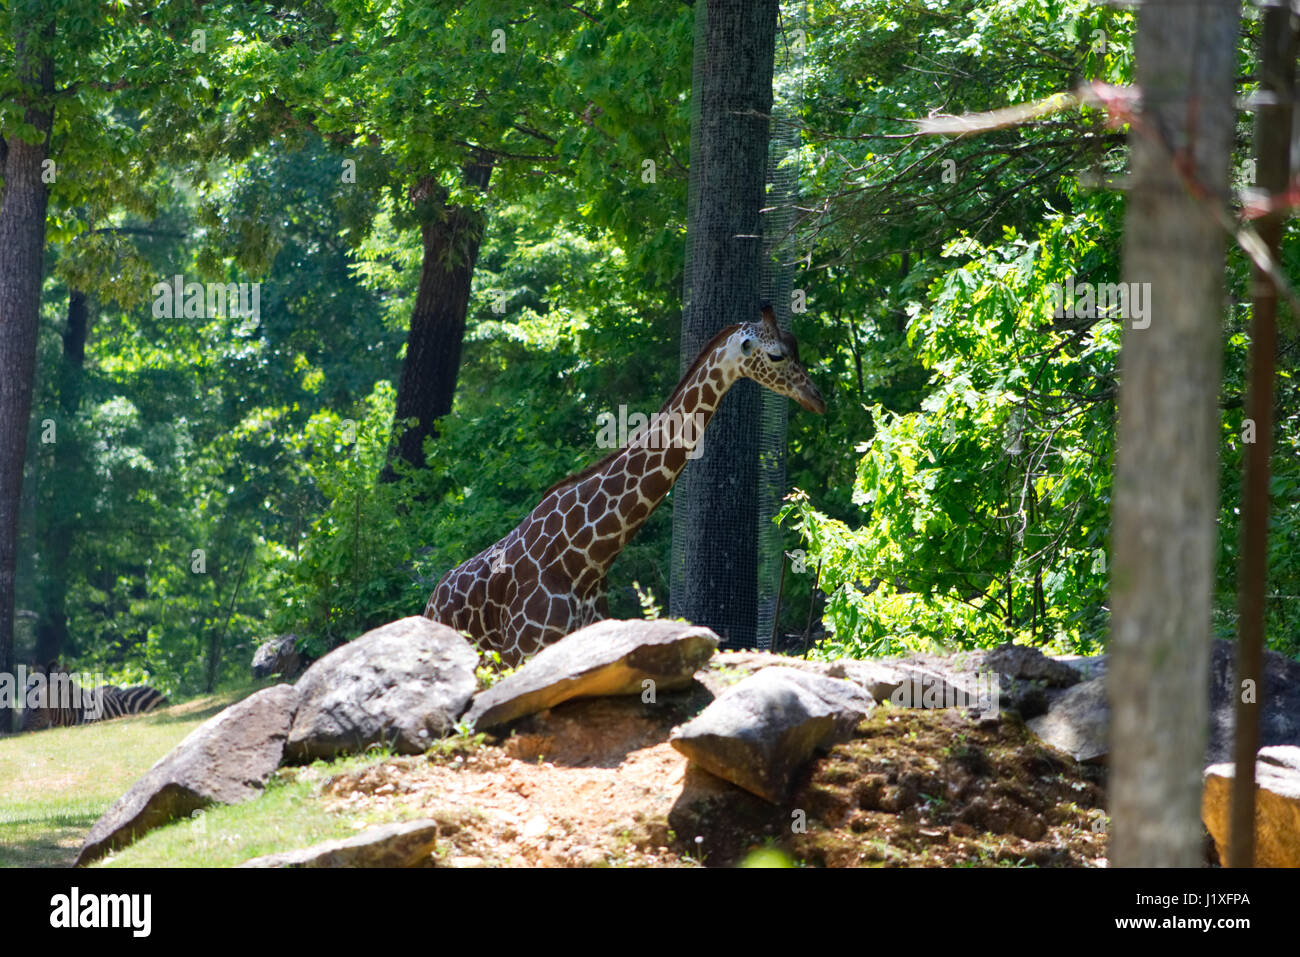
[(715, 518), (63, 91), (1166, 471), (450, 235), (59, 521), (24, 150), (452, 95)]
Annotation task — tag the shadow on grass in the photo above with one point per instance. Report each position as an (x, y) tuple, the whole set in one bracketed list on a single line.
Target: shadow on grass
[(43, 840), (189, 716), (178, 711), (170, 714)]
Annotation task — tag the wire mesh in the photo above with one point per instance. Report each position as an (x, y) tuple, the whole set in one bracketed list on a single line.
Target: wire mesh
[(743, 595)]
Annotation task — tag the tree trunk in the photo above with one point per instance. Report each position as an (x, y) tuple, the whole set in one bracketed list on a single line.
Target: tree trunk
[(452, 236), (22, 247), (715, 517), (1166, 471), (61, 518)]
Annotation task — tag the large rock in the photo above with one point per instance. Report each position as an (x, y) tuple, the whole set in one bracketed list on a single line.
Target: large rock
[(1088, 666), (1078, 722), (1279, 701), (1030, 664), (880, 679), (608, 658), (1079, 718), (405, 844), (761, 732), (225, 760), (1277, 806), (1010, 676), (279, 656), (1026, 678), (404, 684)]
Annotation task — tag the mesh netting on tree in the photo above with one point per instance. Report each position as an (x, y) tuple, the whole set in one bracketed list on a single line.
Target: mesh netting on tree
[(726, 555)]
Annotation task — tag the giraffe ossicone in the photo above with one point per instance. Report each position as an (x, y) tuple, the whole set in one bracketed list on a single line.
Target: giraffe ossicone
[(546, 578)]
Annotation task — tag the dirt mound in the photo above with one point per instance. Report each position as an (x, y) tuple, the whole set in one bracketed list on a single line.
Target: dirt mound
[(595, 783)]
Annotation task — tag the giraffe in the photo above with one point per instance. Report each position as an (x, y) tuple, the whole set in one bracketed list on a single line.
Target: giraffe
[(546, 578)]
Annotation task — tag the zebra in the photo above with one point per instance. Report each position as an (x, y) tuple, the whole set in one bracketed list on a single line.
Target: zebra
[(76, 705)]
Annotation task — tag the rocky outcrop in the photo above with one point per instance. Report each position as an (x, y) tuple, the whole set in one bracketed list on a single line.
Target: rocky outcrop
[(405, 844), (279, 656), (1078, 722), (608, 658), (1078, 718), (1279, 701), (1030, 664), (761, 732), (225, 760), (404, 685), (1277, 806), (898, 680)]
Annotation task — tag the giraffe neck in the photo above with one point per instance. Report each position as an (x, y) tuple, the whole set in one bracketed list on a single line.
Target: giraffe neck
[(657, 455)]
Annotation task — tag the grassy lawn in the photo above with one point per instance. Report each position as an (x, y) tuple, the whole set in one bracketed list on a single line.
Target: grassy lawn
[(55, 784), (288, 815)]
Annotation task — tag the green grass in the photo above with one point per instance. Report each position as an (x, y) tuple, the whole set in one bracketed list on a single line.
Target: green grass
[(288, 815), (55, 784)]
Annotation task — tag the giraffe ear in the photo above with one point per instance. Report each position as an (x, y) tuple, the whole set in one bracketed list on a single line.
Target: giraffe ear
[(746, 347)]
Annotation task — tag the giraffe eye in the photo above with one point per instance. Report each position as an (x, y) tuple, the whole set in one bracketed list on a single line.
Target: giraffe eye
[(776, 357)]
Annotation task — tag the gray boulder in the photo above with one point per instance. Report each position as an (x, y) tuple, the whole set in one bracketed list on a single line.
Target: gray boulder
[(404, 844), (1030, 664), (1279, 701), (761, 732), (279, 656), (225, 760), (404, 684), (611, 657), (880, 679), (1078, 722), (1078, 719)]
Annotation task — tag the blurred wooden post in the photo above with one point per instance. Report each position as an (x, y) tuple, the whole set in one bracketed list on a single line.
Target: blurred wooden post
[(1273, 167)]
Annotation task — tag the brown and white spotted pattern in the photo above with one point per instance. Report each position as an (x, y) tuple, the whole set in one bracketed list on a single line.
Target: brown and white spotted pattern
[(546, 578)]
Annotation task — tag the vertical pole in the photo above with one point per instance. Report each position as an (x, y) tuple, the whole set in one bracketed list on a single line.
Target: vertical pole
[(1273, 159)]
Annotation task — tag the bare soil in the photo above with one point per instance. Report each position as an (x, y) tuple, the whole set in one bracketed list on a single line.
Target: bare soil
[(594, 783)]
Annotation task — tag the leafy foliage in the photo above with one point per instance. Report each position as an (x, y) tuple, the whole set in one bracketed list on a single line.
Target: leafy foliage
[(957, 490), (987, 507)]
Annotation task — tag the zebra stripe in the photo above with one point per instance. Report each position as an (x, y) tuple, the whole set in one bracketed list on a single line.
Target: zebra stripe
[(137, 699), (106, 702)]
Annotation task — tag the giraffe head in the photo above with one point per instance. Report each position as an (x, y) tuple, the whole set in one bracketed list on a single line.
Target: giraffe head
[(771, 358)]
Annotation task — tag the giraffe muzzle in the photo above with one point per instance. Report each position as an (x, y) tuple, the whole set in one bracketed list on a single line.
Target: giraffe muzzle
[(811, 399)]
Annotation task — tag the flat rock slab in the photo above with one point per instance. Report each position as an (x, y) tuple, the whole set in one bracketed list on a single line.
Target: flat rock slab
[(611, 657), (404, 684), (879, 678), (405, 844), (760, 733), (1022, 679), (1277, 806), (225, 760), (1026, 678)]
